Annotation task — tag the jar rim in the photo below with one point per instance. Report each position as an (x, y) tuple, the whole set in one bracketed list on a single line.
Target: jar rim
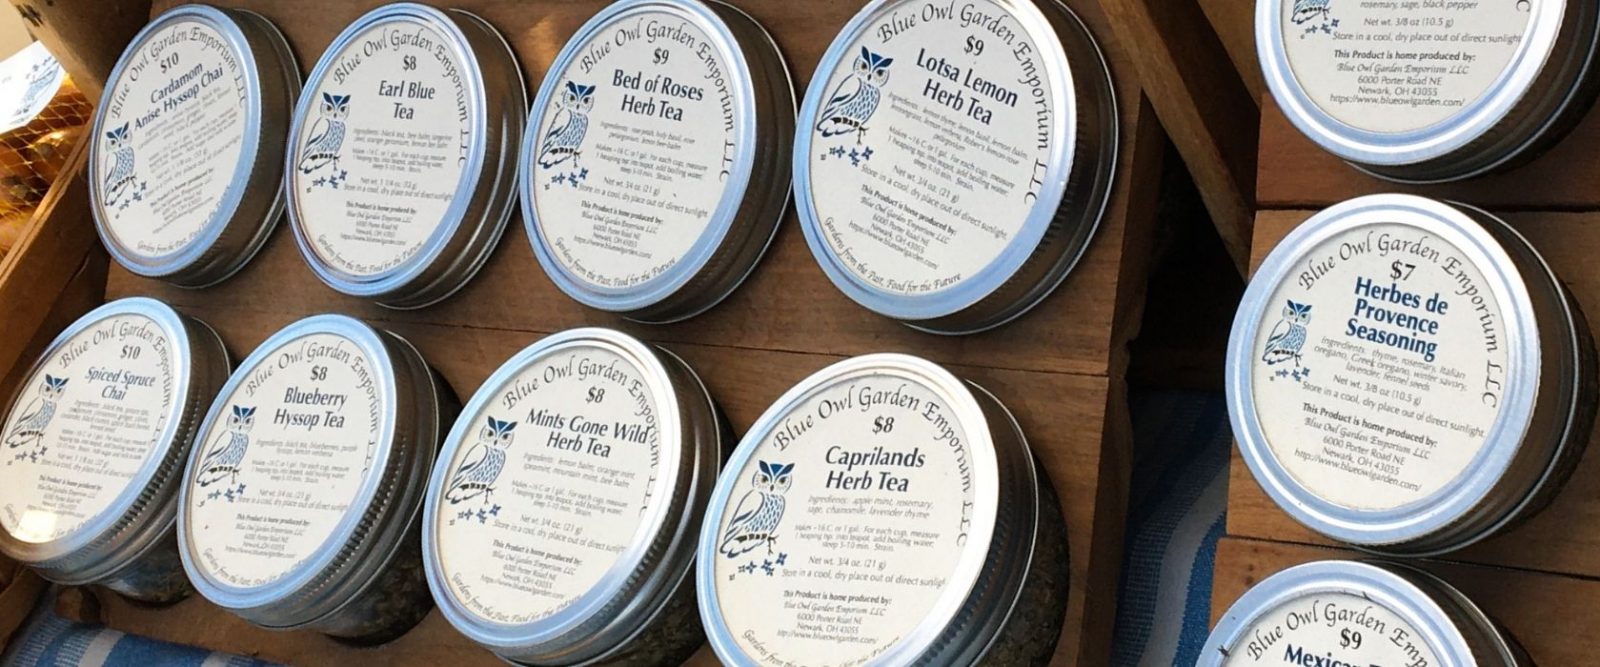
[(1502, 442), (1397, 149), (194, 251), (717, 227), (322, 562), (638, 564), (944, 613), (1063, 160), (473, 172)]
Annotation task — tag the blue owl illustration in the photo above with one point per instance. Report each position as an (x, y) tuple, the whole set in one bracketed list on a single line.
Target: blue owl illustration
[(482, 465), (226, 457), (39, 78), (856, 98), (1288, 335), (757, 516), (120, 178), (327, 135), (568, 126), (36, 416), (1306, 11)]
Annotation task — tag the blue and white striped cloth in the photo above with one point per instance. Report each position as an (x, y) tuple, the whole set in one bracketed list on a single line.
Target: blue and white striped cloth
[(47, 640), (1176, 515)]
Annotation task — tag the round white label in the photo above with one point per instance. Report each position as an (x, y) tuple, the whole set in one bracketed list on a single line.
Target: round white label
[(635, 150), (881, 478), (84, 425), (550, 486), (171, 138), (931, 143), (284, 460), (1334, 630), (380, 155), (1400, 66), (1379, 366)]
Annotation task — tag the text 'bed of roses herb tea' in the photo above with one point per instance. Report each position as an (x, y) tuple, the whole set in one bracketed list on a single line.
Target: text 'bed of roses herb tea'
[(1357, 613), (95, 442), (883, 512), (561, 518), (656, 164), (1409, 376), (186, 167), (953, 159), (402, 154), (1430, 91), (301, 499)]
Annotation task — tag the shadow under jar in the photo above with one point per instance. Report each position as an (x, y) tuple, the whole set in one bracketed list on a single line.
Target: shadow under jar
[(186, 167), (1409, 376), (95, 443), (886, 481), (402, 169), (953, 162), (1445, 92), (655, 169), (1357, 613), (561, 517), (301, 504)]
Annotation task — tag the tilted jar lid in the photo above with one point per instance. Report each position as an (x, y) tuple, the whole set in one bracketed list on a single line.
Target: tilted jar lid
[(281, 520), (402, 165), (562, 511), (98, 434), (1357, 613), (1423, 94), (881, 512), (953, 161), (185, 170), (648, 154), (1383, 369)]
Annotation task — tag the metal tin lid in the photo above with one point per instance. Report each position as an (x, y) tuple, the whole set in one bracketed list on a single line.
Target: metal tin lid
[(1356, 613), (854, 523), (561, 511), (391, 149), (1387, 84), (640, 150), (937, 145), (1383, 369), (276, 517), (181, 184), (97, 434)]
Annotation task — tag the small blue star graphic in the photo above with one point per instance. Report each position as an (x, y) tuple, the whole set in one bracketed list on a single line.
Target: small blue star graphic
[(766, 566), (782, 558), (495, 511), (584, 174)]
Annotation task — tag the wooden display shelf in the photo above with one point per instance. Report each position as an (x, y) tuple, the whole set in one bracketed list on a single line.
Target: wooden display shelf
[(1539, 579), (1060, 369), (1296, 173), (1552, 616)]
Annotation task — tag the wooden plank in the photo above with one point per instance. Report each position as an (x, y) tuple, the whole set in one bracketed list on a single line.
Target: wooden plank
[(1235, 24), (1295, 173), (83, 292), (88, 43), (1066, 436), (788, 300), (1203, 103), (1553, 616), (60, 237), (1565, 538), (1060, 369)]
